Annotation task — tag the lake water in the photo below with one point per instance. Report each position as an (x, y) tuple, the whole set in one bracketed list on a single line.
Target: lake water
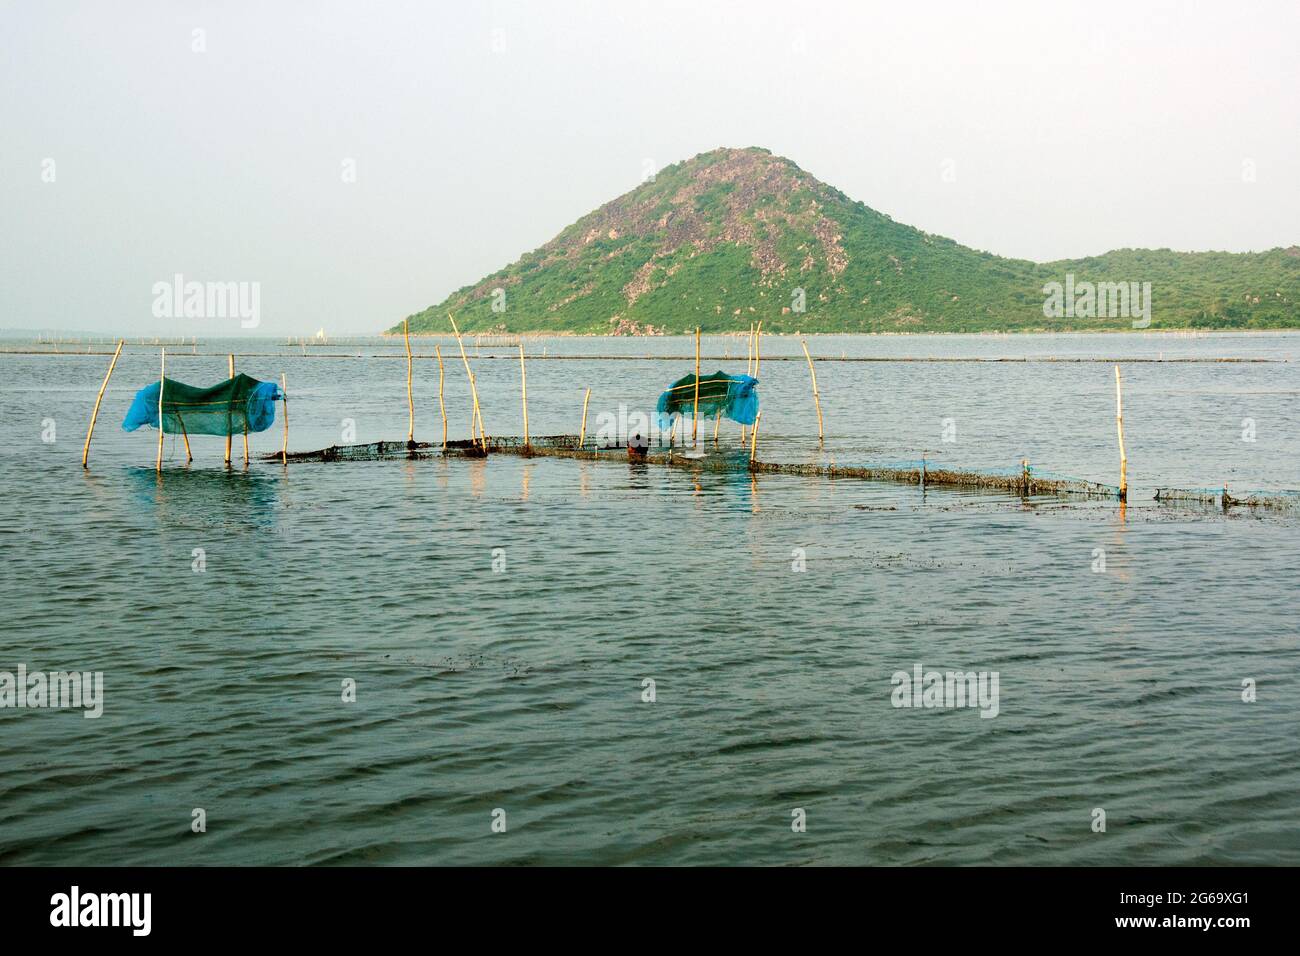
[(521, 689)]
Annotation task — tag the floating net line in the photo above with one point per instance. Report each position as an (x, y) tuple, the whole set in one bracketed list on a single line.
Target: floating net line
[(461, 448), (1020, 480), (373, 451), (1279, 500)]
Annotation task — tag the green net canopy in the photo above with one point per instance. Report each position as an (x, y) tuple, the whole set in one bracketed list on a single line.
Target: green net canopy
[(228, 408), (735, 396)]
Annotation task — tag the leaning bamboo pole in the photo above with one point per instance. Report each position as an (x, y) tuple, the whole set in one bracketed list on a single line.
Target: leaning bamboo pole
[(477, 415), (758, 347), (85, 452), (478, 411), (162, 380), (816, 397), (749, 368), (284, 399), (189, 457), (523, 390), (232, 375), (717, 420), (582, 432), (695, 412), (1119, 428), (410, 397), (753, 438), (442, 406)]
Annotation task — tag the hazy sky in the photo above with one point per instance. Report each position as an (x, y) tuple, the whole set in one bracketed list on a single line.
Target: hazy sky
[(478, 131)]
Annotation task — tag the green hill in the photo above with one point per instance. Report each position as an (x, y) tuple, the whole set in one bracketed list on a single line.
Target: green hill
[(732, 236)]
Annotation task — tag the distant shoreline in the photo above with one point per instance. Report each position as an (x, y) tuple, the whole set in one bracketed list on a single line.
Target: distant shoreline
[(59, 338), (745, 332)]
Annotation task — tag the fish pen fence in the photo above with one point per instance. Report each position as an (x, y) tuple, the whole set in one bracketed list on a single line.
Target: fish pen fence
[(1020, 480)]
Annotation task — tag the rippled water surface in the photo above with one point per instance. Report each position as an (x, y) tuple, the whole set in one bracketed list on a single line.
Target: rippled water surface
[(522, 689)]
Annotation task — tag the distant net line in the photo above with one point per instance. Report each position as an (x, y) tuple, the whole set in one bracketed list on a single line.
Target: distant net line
[(514, 357)]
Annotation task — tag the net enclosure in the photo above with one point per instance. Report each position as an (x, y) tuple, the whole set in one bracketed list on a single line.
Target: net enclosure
[(227, 408), (735, 396)]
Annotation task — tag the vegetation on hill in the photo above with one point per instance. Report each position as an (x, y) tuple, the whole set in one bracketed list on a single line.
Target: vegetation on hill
[(734, 236)]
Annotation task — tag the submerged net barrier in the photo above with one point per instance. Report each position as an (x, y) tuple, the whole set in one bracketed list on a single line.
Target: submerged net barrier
[(1020, 480), (1280, 500), (1023, 480)]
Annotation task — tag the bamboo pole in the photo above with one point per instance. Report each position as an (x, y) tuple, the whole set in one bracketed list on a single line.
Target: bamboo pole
[(162, 380), (85, 452), (749, 369), (695, 412), (758, 347), (284, 398), (523, 390), (410, 398), (245, 439), (232, 375), (477, 415), (582, 432), (816, 397), (477, 412), (1119, 428), (186, 436), (717, 420), (442, 406), (753, 438)]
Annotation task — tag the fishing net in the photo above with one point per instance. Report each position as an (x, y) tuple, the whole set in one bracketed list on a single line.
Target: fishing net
[(227, 408), (735, 396), (1020, 479), (1280, 499)]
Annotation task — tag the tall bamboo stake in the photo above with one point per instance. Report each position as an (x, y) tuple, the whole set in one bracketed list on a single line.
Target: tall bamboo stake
[(473, 391), (442, 406), (695, 412), (85, 452), (245, 439), (523, 390), (753, 438), (717, 420), (410, 398), (816, 397), (1119, 428), (284, 399), (749, 368), (232, 375), (758, 347), (162, 379), (582, 432)]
